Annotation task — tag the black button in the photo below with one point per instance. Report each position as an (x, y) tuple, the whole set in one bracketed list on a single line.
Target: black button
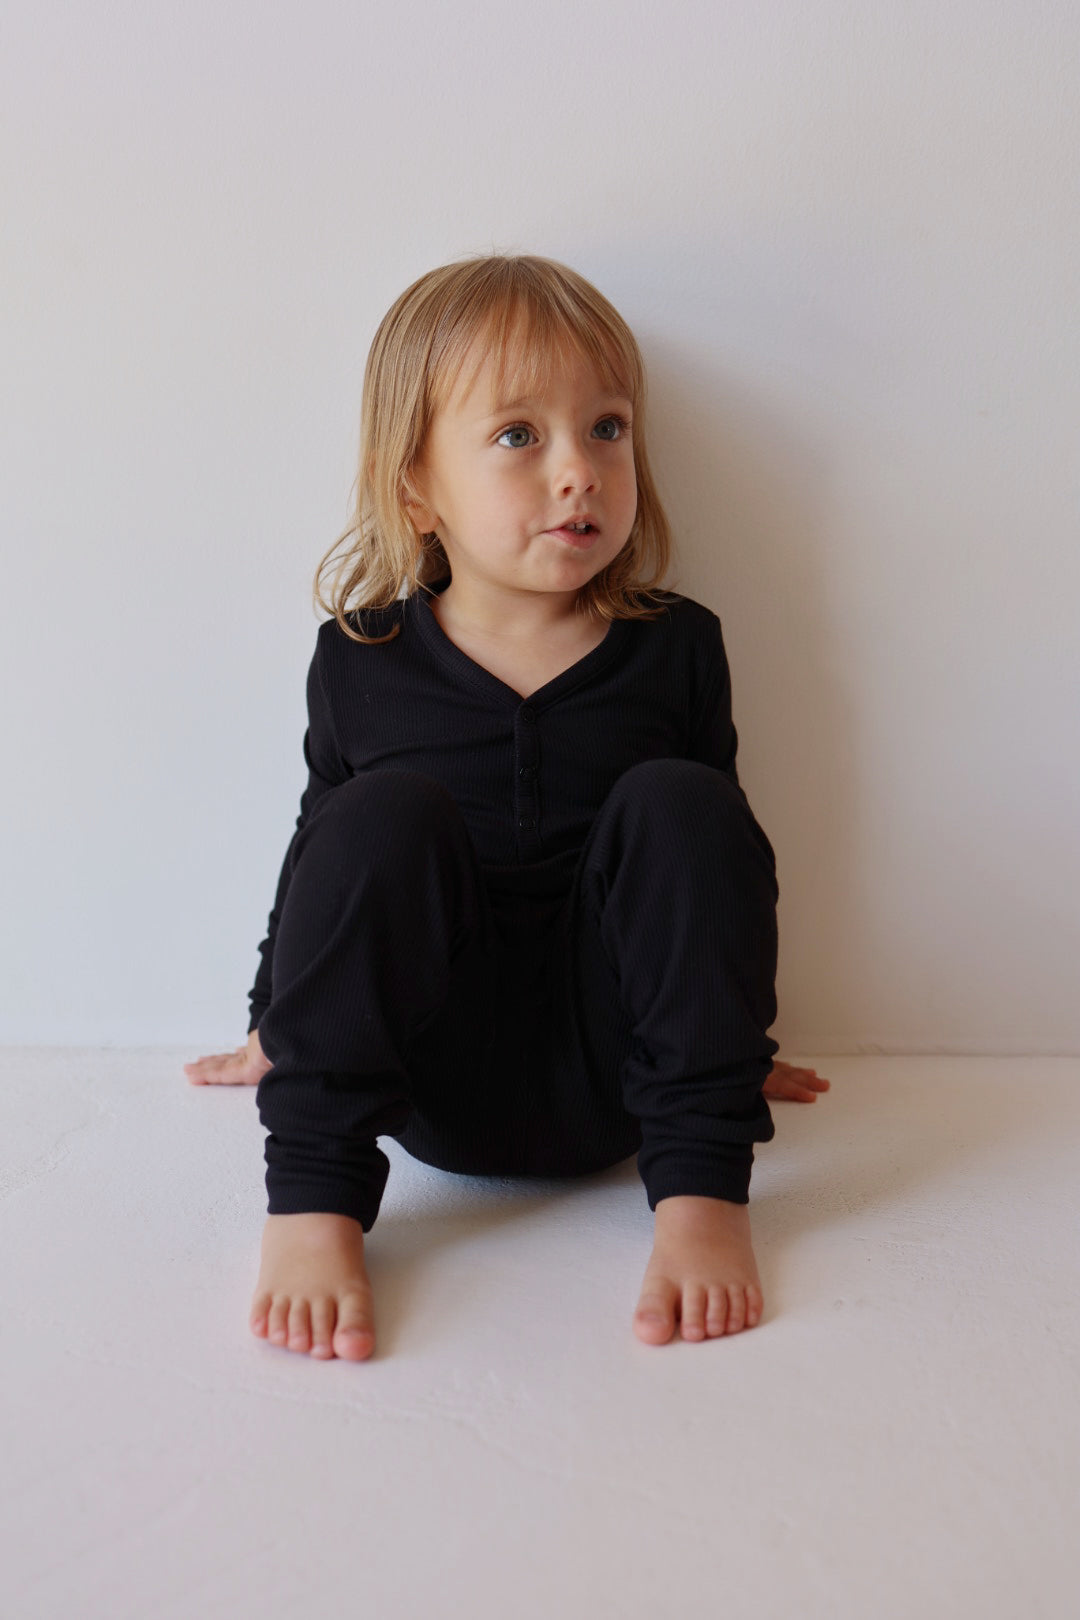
[(527, 771), (525, 821)]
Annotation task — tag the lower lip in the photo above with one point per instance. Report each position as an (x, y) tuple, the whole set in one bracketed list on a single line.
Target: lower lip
[(572, 538)]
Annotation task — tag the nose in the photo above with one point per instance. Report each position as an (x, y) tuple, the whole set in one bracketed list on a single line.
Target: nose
[(574, 470)]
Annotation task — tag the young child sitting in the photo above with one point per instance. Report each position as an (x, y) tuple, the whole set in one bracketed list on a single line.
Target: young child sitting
[(527, 920)]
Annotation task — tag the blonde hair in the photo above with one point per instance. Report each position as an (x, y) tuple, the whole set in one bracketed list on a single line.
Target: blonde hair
[(413, 366)]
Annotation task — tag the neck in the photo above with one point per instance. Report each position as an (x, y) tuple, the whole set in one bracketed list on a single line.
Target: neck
[(529, 616)]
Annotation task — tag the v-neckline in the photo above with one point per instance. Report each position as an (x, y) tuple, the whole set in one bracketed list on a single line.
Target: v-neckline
[(478, 675)]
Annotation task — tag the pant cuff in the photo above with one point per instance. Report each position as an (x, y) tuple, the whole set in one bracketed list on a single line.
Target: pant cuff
[(300, 1195), (697, 1177)]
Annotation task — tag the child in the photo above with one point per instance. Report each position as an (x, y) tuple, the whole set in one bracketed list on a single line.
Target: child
[(527, 921)]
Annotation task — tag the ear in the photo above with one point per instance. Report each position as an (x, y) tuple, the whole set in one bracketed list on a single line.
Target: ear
[(422, 516)]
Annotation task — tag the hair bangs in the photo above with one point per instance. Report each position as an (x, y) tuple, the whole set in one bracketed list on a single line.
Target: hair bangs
[(529, 325)]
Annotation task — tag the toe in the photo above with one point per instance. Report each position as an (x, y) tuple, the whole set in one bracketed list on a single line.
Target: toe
[(354, 1338), (277, 1327), (260, 1310), (322, 1327), (737, 1308), (300, 1325), (692, 1318), (755, 1305), (716, 1314), (654, 1318)]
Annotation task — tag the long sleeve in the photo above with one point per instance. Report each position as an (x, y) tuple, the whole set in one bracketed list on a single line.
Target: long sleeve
[(326, 769), (713, 737)]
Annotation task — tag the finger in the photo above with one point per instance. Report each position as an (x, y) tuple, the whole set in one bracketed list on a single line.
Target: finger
[(781, 1085), (807, 1077), (205, 1077), (225, 1070), (789, 1091), (199, 1073)]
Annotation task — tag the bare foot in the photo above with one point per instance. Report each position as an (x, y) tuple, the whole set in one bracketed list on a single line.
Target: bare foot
[(701, 1273), (313, 1292)]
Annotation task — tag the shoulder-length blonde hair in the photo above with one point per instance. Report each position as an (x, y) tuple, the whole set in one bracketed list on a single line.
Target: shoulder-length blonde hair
[(413, 366)]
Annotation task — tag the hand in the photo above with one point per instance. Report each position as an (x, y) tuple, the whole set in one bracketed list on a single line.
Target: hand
[(244, 1067), (793, 1085)]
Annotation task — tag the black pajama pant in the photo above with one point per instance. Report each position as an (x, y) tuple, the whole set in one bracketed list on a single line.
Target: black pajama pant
[(550, 1032)]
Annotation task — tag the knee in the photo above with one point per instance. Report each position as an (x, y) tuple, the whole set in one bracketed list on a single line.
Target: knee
[(677, 786), (683, 804), (404, 806)]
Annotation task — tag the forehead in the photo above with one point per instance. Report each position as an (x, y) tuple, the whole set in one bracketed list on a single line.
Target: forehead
[(524, 364)]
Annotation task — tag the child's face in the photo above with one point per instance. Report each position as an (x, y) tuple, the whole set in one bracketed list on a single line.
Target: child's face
[(498, 486)]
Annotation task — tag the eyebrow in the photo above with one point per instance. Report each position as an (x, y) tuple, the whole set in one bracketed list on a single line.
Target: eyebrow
[(522, 404)]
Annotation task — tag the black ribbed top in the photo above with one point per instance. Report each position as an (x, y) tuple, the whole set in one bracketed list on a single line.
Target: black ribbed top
[(528, 774)]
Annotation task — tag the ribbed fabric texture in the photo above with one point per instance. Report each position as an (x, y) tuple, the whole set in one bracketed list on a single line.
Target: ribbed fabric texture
[(523, 936)]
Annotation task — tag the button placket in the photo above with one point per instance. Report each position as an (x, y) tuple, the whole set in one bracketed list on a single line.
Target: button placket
[(526, 784)]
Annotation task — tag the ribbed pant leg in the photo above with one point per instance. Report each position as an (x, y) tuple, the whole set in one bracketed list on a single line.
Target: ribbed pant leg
[(385, 911), (672, 938)]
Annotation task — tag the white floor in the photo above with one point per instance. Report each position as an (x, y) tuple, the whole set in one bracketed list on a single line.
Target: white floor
[(897, 1438)]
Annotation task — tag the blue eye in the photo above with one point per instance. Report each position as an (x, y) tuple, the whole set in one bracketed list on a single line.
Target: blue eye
[(618, 428), (518, 428)]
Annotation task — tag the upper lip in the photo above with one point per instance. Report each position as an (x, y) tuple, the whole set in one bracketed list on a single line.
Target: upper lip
[(576, 517)]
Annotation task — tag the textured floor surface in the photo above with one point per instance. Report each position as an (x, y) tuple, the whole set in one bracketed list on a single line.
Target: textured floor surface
[(898, 1437)]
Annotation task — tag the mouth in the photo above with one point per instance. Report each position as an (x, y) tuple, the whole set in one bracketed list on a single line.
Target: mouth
[(579, 535)]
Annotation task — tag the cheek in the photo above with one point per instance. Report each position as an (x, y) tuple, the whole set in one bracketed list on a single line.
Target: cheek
[(507, 482)]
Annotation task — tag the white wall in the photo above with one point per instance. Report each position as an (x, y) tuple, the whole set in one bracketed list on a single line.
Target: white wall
[(847, 236)]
